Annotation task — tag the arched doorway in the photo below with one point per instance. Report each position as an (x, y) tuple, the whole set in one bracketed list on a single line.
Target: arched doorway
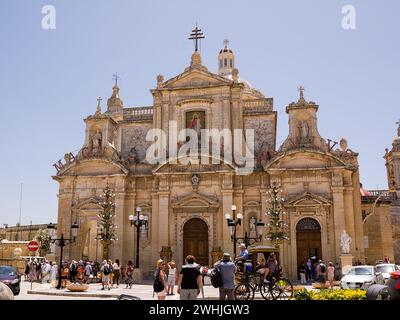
[(195, 240), (308, 241)]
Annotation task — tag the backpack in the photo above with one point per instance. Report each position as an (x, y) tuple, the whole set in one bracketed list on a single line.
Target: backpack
[(106, 270), (216, 277), (158, 285), (322, 268)]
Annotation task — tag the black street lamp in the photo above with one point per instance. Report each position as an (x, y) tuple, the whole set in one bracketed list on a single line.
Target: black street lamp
[(62, 242), (138, 221), (234, 220)]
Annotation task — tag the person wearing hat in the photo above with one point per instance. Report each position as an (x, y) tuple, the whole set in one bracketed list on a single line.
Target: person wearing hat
[(228, 269)]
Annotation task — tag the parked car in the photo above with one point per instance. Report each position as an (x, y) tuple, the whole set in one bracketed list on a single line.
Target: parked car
[(361, 277), (385, 269), (11, 277)]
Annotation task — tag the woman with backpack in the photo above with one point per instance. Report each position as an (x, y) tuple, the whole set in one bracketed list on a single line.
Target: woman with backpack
[(159, 285), (105, 275)]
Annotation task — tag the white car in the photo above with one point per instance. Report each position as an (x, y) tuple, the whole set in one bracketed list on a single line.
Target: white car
[(361, 277), (385, 269)]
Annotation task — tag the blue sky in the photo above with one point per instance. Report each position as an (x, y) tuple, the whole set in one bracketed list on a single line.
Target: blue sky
[(50, 79)]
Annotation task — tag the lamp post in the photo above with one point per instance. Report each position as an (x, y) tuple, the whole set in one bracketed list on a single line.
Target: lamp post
[(138, 221), (62, 242), (234, 220)]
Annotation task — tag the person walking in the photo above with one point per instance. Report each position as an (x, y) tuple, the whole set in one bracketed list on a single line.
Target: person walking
[(88, 271), (331, 274), (110, 263), (117, 272), (302, 271), (105, 275), (27, 271), (308, 270), (73, 270), (189, 281), (321, 273), (227, 269), (172, 277), (53, 273), (160, 285), (129, 274)]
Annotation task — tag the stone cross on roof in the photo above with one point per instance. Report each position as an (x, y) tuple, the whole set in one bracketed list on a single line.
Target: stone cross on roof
[(116, 78), (301, 90), (196, 35)]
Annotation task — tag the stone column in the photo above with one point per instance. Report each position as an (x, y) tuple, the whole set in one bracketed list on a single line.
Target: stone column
[(227, 201), (154, 225), (349, 217), (64, 223), (117, 245), (338, 217), (163, 219)]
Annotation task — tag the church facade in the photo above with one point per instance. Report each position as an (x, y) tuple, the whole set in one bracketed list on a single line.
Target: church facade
[(186, 202)]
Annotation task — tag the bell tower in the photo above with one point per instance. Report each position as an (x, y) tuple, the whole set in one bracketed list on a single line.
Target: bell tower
[(226, 60)]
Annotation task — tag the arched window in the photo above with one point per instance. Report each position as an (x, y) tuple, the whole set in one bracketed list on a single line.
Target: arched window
[(308, 224), (231, 63), (220, 63), (225, 62)]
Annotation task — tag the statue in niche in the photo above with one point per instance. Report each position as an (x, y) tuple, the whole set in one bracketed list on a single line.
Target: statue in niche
[(132, 156), (96, 142), (252, 224), (303, 130)]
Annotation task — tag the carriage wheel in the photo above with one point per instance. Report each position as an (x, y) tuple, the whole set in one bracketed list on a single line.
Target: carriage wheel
[(283, 289), (266, 291), (243, 292)]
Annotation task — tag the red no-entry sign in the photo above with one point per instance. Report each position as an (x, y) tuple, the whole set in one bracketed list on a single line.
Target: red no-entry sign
[(33, 246)]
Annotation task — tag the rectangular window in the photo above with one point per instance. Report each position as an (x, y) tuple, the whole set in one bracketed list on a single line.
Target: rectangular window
[(231, 61), (220, 63), (225, 62)]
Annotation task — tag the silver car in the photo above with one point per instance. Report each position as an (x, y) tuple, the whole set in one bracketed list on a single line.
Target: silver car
[(385, 269), (361, 277)]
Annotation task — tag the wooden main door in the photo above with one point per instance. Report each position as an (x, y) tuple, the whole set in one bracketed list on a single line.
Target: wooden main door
[(195, 240), (308, 241)]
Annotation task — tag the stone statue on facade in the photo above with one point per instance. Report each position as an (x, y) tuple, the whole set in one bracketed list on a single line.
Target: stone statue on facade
[(132, 156), (345, 242), (303, 130), (96, 142), (343, 145), (252, 224)]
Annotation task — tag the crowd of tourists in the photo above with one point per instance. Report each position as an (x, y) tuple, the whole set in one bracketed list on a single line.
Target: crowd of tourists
[(320, 272), (109, 273)]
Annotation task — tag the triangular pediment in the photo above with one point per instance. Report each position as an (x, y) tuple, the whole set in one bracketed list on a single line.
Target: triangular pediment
[(93, 167), (304, 159), (195, 78), (199, 165), (308, 199), (195, 200)]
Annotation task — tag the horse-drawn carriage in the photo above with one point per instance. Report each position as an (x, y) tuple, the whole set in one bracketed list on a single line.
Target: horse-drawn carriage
[(271, 286)]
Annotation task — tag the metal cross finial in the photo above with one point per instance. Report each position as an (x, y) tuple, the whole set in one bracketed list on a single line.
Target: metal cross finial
[(196, 35), (116, 78), (99, 101), (301, 89), (226, 42)]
